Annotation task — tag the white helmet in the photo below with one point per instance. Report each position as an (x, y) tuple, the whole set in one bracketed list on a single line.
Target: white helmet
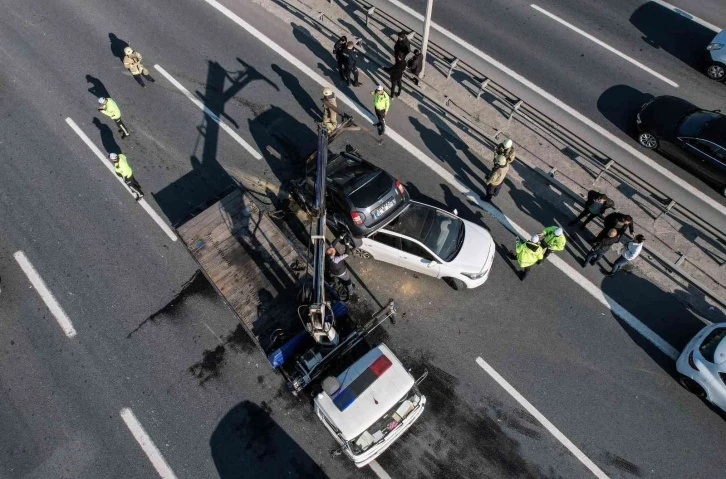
[(500, 160), (112, 156), (101, 100), (379, 88), (534, 239), (128, 51), (327, 91), (558, 232), (507, 143)]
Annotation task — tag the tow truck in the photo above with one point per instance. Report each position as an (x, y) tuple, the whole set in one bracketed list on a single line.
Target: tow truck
[(362, 393)]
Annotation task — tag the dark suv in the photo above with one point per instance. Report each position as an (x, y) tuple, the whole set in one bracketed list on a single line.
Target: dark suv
[(692, 137), (360, 196)]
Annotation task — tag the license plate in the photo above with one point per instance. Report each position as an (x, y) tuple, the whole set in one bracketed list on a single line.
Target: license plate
[(382, 209)]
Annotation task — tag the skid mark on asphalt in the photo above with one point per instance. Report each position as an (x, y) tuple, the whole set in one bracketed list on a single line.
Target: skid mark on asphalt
[(623, 464)]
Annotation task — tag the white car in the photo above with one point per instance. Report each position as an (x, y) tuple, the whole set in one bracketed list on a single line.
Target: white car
[(434, 242), (702, 364)]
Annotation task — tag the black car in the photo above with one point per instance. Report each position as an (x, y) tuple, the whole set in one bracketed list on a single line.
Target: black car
[(692, 137), (361, 197)]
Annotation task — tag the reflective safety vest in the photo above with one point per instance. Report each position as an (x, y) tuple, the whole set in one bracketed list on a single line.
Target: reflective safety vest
[(381, 101), (122, 167), (552, 241), (110, 108), (526, 256)]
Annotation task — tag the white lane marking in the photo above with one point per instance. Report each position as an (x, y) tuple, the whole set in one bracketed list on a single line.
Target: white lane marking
[(45, 294), (378, 470), (148, 446), (605, 45), (255, 154), (94, 149), (684, 13), (571, 111), (543, 420), (474, 197)]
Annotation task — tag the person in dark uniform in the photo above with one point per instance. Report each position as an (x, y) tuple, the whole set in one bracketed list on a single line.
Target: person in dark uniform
[(335, 265)]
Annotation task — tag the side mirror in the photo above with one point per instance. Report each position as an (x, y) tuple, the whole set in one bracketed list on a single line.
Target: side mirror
[(432, 263), (456, 212)]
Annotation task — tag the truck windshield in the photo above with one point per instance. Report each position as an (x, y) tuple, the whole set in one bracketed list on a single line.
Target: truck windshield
[(386, 423)]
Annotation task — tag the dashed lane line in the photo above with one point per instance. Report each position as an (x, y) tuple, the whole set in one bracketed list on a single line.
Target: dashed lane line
[(255, 154), (147, 445), (45, 294), (142, 202), (586, 461), (605, 45)]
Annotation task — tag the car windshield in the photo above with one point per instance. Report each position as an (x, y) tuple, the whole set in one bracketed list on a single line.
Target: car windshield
[(696, 122), (440, 232), (368, 189), (709, 345), (386, 423)]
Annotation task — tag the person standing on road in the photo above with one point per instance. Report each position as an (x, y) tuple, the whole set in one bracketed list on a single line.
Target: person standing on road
[(335, 265), (402, 46), (527, 253), (338, 49), (415, 65), (132, 61), (396, 73), (381, 103), (109, 108), (596, 205), (617, 221), (330, 110), (629, 253), (601, 246), (496, 178), (123, 170), (553, 239), (350, 62), (505, 148)]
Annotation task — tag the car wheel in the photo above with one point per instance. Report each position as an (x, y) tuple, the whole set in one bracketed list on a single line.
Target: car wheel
[(716, 72), (455, 283), (692, 386), (361, 253), (723, 190), (648, 140)]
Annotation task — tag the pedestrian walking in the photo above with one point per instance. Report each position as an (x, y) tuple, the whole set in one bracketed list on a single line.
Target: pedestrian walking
[(618, 221), (527, 253), (596, 205), (330, 110), (109, 108), (496, 178), (350, 64), (506, 148), (132, 61), (601, 246), (381, 103), (338, 49), (402, 46), (395, 72), (629, 252), (335, 265), (123, 170), (415, 65), (553, 239)]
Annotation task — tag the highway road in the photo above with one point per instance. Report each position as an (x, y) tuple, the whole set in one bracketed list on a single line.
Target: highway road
[(154, 352)]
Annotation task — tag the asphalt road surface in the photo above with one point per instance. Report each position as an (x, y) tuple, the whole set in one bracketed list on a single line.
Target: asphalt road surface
[(151, 336)]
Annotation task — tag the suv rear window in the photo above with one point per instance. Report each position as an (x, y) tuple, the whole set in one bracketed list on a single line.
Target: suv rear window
[(709, 345), (370, 190)]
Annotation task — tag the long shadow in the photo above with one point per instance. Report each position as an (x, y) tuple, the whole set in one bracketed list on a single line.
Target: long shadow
[(248, 442), (97, 89), (117, 46), (676, 34), (619, 105), (107, 139), (298, 92)]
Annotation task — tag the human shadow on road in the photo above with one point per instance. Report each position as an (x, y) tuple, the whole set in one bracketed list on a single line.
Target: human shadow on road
[(97, 89), (107, 139), (248, 442), (673, 32), (300, 94), (619, 104), (117, 46)]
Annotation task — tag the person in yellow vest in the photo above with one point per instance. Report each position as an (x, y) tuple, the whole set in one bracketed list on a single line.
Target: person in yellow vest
[(527, 253), (496, 178), (553, 239), (123, 170), (109, 108), (381, 103), (132, 61)]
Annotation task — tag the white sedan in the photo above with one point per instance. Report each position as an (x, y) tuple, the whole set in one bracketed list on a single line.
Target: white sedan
[(433, 242), (702, 364)]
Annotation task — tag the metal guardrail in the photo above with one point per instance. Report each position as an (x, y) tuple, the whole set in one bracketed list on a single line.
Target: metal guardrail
[(470, 127)]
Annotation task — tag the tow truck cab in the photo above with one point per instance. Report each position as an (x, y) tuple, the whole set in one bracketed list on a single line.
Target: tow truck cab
[(369, 404)]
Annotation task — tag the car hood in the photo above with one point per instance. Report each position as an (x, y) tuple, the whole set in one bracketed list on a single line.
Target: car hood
[(475, 252), (662, 114)]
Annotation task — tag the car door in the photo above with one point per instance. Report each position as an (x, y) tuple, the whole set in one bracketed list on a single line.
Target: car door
[(383, 246), (709, 159), (417, 258)]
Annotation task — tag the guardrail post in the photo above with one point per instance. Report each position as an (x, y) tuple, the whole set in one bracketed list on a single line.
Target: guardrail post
[(452, 65), (482, 87), (553, 171), (448, 100), (680, 260), (670, 206), (605, 168), (369, 13), (321, 17), (514, 109), (410, 35)]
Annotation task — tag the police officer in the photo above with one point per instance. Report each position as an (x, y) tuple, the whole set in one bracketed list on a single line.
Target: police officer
[(350, 64), (381, 103), (123, 170), (132, 61), (496, 178), (338, 48), (109, 108), (330, 110), (553, 239), (528, 253), (335, 265), (505, 148)]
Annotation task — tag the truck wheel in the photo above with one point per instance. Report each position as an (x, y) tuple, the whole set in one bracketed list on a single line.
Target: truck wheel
[(455, 283)]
